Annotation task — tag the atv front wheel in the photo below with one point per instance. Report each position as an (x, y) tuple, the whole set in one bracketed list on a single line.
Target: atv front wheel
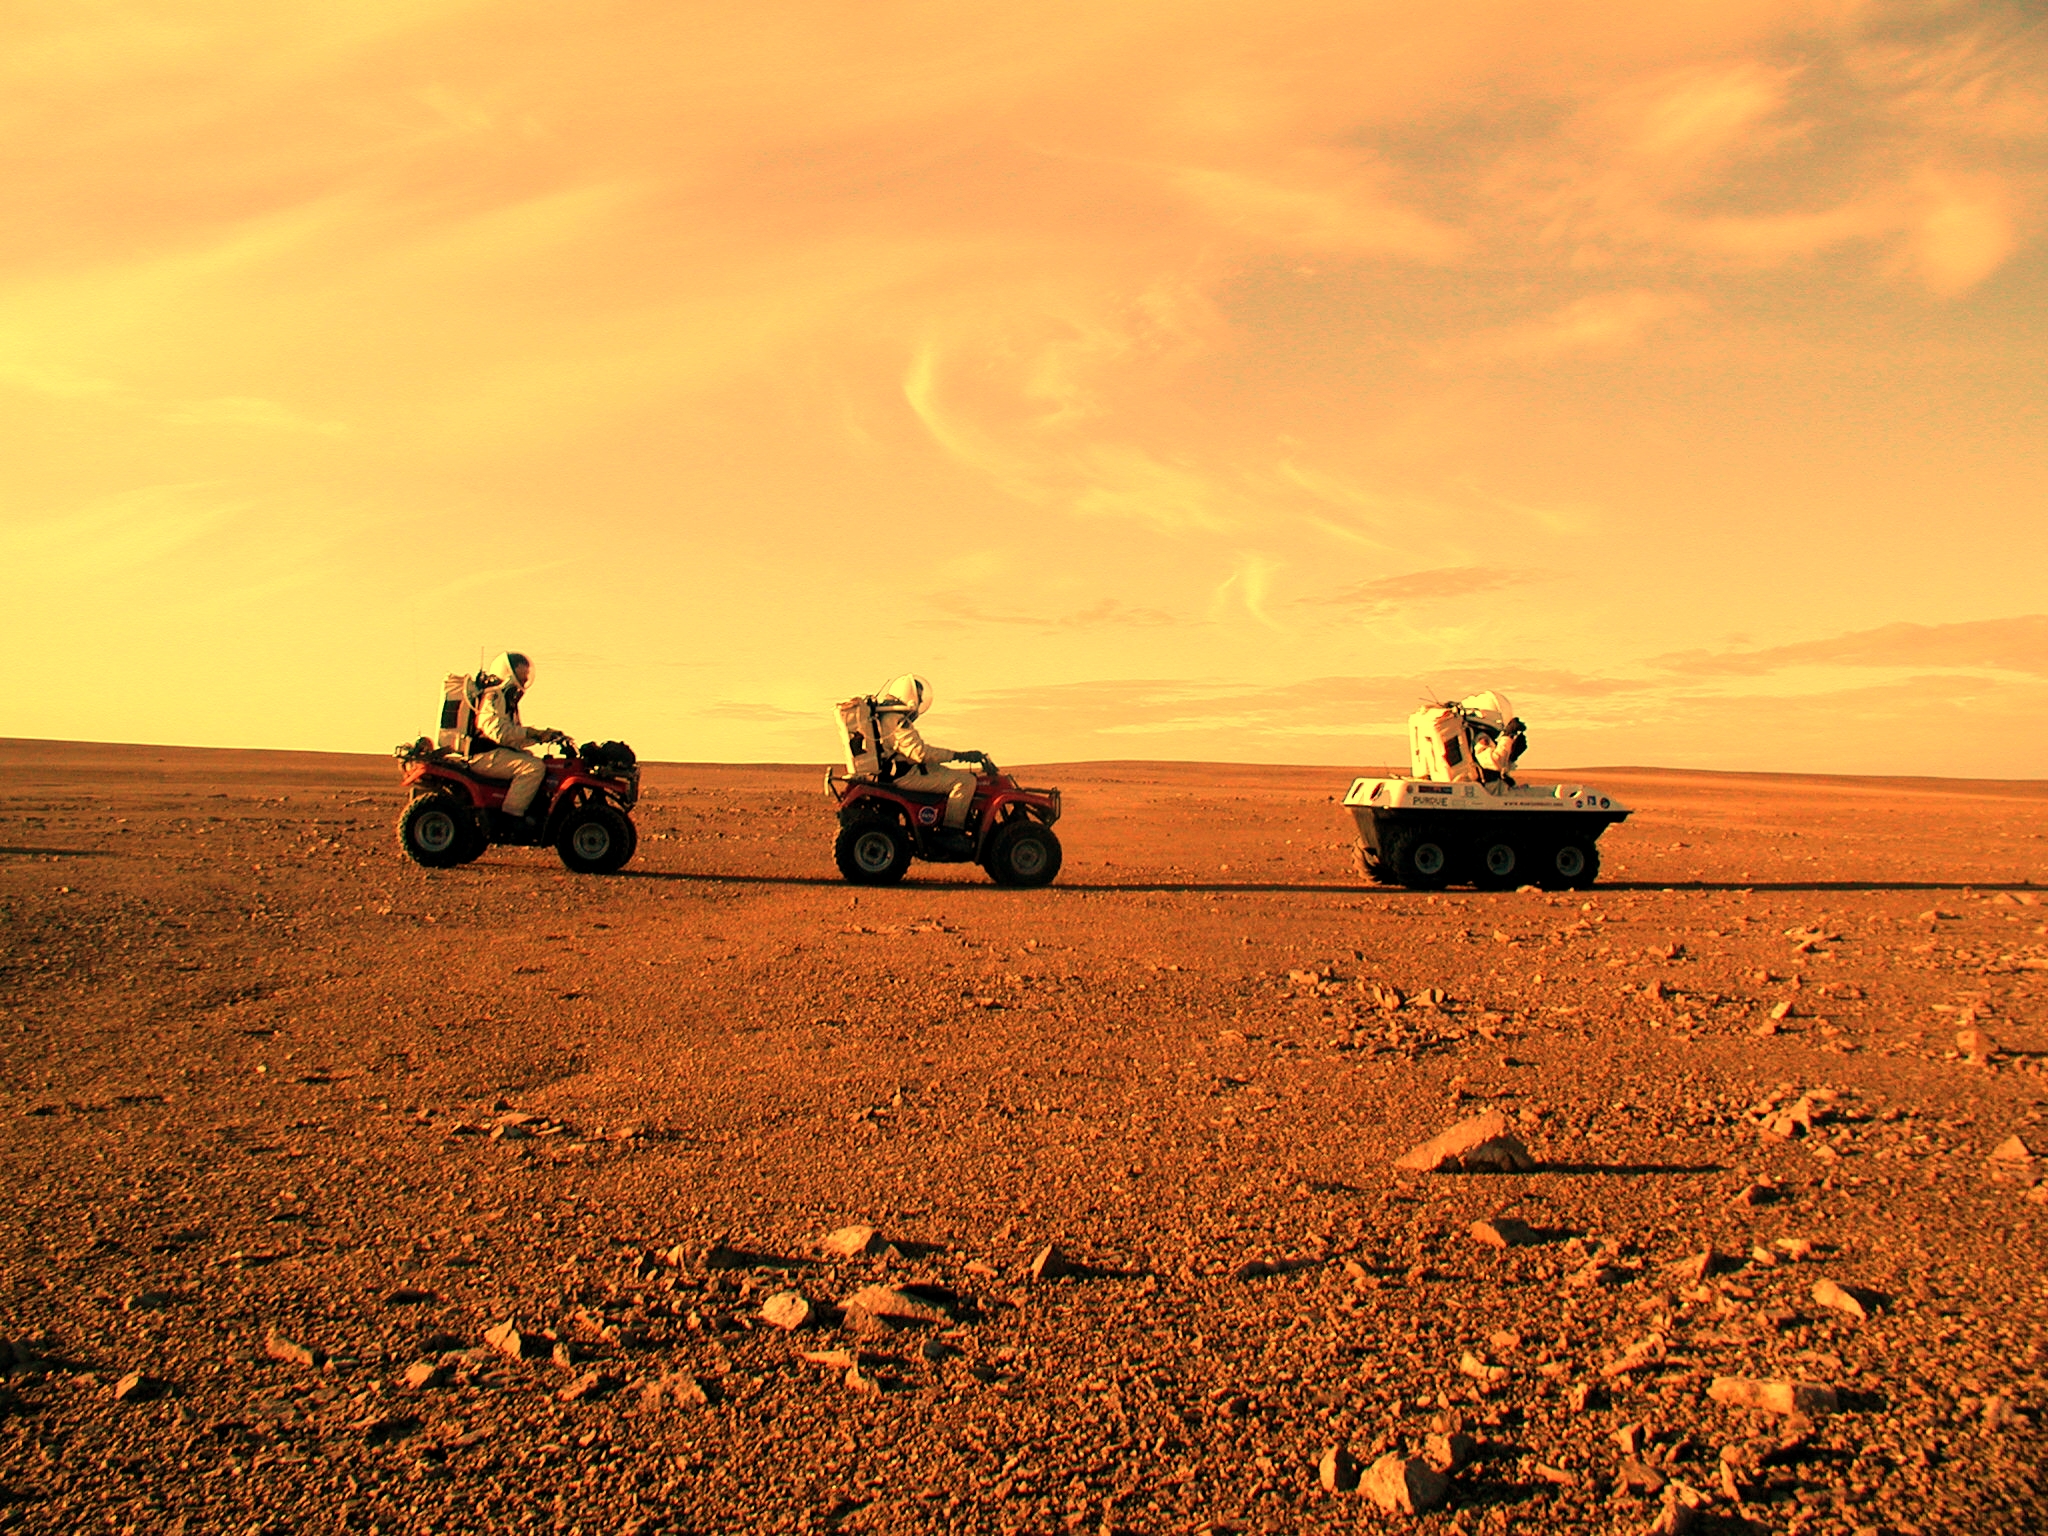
[(1023, 853), (872, 852), (1420, 863), (437, 832), (595, 840)]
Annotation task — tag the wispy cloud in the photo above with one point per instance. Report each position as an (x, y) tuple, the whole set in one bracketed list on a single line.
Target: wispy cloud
[(1393, 594), (2003, 645)]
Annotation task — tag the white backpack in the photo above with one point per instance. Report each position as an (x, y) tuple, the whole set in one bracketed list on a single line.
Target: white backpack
[(460, 697), (857, 730)]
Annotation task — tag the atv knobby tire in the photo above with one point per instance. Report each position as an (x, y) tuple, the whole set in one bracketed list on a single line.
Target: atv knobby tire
[(595, 839), (1022, 853), (872, 852), (438, 832), (1419, 861)]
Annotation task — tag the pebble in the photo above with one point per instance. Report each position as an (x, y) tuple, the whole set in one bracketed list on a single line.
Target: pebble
[(1480, 1371), (507, 1340), (422, 1374), (1840, 1298), (678, 1389), (1802, 1397), (856, 1242), (1338, 1470), (1449, 1453), (893, 1305), (591, 1384), (1480, 1144), (787, 1310), (1049, 1264), (278, 1347), (1504, 1232), (137, 1388), (1976, 1046), (1405, 1485)]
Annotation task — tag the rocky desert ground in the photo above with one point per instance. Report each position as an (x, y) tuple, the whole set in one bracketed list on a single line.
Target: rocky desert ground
[(718, 1196)]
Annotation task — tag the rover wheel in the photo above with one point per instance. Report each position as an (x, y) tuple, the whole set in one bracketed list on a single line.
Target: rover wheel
[(1419, 862), (1571, 866), (1501, 866), (435, 831), (595, 840), (872, 852), (1023, 853)]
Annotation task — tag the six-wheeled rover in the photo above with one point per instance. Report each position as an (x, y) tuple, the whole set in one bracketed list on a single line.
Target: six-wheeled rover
[(1454, 820), (584, 808)]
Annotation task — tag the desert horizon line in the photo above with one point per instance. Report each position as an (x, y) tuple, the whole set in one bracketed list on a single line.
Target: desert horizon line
[(1357, 767)]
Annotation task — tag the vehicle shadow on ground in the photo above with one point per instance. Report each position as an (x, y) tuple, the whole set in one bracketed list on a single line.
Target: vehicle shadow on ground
[(1308, 888), (1631, 1169)]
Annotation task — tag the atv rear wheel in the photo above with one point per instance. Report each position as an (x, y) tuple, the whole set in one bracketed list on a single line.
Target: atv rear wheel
[(1571, 866), (438, 832), (595, 839), (872, 852), (1501, 865), (1023, 853), (1420, 862)]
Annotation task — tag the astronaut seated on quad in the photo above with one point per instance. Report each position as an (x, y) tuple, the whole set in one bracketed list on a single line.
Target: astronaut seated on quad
[(1467, 741)]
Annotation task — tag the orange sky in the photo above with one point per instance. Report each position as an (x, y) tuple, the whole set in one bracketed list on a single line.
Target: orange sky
[(1163, 380)]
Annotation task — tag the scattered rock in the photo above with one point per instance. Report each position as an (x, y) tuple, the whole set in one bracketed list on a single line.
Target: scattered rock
[(1405, 1485), (1557, 1477), (1640, 1355), (1579, 1397), (423, 1374), (1795, 1249), (787, 1310), (1338, 1470), (1480, 1371), (2000, 1414), (1638, 1480), (679, 1389), (1480, 1144), (1691, 1271), (278, 1347), (589, 1386), (1762, 1192), (886, 1303), (1803, 1397), (832, 1359), (1840, 1299), (507, 1340), (1504, 1232), (1049, 1264), (405, 1296), (137, 1388), (1976, 1045), (855, 1242), (1449, 1453), (725, 1256), (861, 1382), (1681, 1512)]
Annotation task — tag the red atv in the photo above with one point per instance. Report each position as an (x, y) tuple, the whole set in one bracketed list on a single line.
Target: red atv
[(882, 828), (454, 814)]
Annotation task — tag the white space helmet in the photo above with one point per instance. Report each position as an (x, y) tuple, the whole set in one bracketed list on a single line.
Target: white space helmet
[(909, 690)]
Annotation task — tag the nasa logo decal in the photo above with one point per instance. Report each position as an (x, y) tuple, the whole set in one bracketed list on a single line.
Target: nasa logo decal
[(926, 815)]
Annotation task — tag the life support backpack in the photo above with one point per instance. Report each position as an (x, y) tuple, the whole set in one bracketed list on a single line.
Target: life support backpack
[(460, 697), (863, 748)]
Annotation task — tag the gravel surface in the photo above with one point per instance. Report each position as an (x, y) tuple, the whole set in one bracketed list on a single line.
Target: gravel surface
[(349, 1196)]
